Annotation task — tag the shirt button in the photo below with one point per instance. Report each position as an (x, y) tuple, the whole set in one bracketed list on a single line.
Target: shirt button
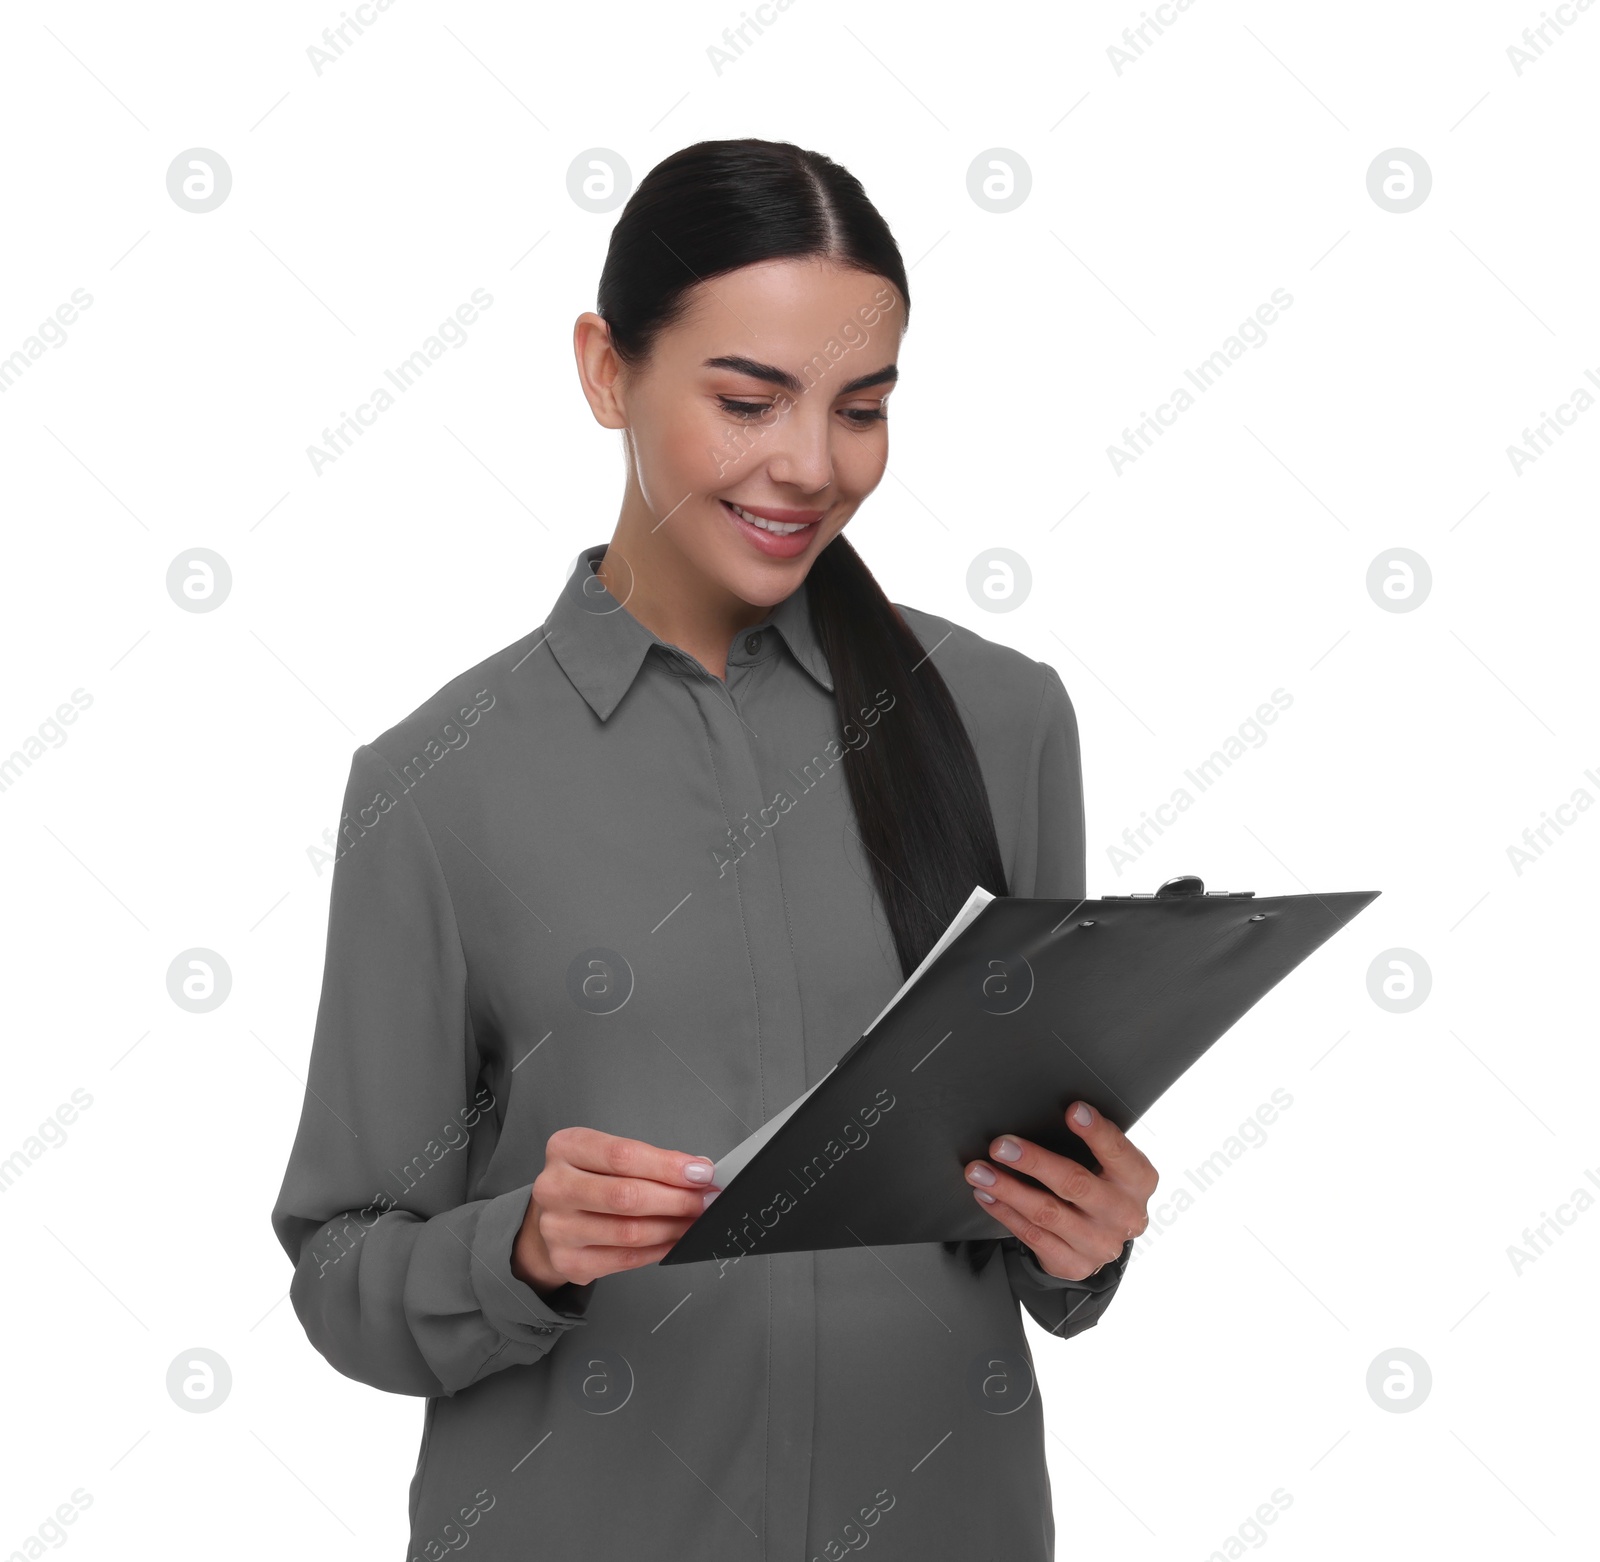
[(752, 643)]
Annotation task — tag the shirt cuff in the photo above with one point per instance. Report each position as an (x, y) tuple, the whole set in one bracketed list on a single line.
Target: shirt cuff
[(1105, 1278), (511, 1305)]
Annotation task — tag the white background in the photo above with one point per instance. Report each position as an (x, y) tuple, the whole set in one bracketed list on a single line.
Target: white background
[(1168, 201)]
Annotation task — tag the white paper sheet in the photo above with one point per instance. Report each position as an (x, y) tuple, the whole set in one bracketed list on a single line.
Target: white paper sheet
[(739, 1156)]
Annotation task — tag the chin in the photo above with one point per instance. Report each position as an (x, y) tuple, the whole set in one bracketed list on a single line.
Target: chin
[(764, 583)]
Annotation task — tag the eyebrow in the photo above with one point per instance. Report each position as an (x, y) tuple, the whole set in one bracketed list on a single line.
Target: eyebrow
[(791, 383)]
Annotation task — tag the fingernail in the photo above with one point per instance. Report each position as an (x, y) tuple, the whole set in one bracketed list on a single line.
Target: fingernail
[(1008, 1150), (1082, 1114), (698, 1171), (706, 1199), (988, 1198), (981, 1173)]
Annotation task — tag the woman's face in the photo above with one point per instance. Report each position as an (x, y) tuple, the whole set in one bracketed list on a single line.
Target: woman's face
[(769, 397)]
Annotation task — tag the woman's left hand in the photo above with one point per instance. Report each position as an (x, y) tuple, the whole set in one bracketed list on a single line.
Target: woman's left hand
[(1081, 1223)]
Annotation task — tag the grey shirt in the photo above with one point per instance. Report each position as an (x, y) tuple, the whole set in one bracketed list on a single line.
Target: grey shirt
[(567, 893)]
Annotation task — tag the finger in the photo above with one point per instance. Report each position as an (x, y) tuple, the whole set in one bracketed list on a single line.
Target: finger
[(1062, 1175), (581, 1228), (1120, 1158), (1072, 1249), (571, 1188), (613, 1156), (590, 1263), (1106, 1208)]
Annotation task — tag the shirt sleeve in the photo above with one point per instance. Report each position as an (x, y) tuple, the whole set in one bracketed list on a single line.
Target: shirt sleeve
[(1051, 864), (401, 1279), (1062, 1307)]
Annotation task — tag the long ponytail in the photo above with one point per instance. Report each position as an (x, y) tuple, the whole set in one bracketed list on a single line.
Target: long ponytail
[(921, 805)]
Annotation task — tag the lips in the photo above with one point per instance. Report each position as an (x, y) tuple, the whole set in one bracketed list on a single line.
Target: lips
[(779, 534)]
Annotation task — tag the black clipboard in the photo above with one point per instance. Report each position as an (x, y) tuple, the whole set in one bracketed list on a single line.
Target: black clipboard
[(1035, 1004)]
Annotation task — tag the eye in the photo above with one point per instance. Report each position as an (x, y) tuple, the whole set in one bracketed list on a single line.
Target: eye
[(748, 411)]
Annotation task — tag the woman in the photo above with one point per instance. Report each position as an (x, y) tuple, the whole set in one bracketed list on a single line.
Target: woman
[(611, 899)]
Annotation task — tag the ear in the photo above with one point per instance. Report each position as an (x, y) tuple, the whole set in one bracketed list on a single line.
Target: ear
[(599, 369)]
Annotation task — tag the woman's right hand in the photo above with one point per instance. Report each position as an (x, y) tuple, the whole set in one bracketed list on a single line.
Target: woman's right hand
[(603, 1204)]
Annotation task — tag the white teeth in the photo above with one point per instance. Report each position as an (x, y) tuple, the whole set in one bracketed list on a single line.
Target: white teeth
[(778, 527)]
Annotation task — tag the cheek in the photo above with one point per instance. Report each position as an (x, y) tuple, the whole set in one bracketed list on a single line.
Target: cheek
[(685, 447), (859, 460)]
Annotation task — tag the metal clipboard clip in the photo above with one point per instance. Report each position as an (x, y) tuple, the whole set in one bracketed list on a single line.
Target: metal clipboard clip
[(1184, 884)]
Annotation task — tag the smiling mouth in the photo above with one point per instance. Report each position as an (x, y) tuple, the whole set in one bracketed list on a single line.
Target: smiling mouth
[(775, 527)]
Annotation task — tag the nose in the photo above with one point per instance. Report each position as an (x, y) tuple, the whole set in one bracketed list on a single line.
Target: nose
[(799, 453)]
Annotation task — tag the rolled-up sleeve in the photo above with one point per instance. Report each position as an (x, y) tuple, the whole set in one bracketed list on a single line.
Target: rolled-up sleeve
[(402, 1280), (1052, 865)]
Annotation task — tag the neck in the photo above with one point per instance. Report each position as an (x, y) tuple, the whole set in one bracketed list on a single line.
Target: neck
[(657, 583)]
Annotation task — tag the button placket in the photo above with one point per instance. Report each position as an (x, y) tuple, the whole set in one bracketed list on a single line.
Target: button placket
[(734, 731)]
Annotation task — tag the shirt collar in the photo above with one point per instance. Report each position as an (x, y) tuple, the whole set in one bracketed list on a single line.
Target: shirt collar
[(601, 646)]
